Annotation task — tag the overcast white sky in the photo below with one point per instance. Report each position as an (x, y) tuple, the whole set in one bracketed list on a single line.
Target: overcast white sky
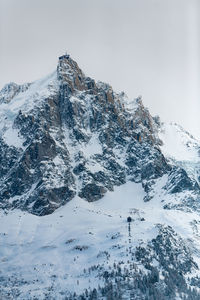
[(143, 47)]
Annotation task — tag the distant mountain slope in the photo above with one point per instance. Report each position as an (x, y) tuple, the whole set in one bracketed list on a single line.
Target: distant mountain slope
[(181, 148)]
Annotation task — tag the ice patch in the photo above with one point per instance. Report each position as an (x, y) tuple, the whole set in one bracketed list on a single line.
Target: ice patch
[(12, 138), (93, 147)]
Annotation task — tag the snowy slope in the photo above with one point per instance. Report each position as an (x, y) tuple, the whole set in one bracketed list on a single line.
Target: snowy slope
[(178, 143), (57, 253), (181, 148)]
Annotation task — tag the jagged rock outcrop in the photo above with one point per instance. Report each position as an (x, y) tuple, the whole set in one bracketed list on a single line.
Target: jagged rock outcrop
[(178, 181)]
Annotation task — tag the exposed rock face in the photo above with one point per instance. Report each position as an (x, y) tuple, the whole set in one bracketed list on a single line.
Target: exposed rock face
[(67, 135), (178, 181)]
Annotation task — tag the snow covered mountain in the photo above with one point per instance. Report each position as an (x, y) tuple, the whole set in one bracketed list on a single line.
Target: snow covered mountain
[(76, 160)]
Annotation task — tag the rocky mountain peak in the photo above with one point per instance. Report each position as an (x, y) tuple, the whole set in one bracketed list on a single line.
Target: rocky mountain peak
[(66, 136), (69, 73)]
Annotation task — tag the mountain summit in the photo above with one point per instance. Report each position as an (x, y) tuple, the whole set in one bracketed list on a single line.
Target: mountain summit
[(67, 135), (73, 149)]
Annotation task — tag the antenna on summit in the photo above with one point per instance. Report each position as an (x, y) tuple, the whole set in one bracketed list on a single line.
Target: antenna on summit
[(64, 56)]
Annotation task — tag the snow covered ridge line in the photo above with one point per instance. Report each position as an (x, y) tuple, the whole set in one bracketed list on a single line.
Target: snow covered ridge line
[(10, 90), (69, 122), (15, 99)]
